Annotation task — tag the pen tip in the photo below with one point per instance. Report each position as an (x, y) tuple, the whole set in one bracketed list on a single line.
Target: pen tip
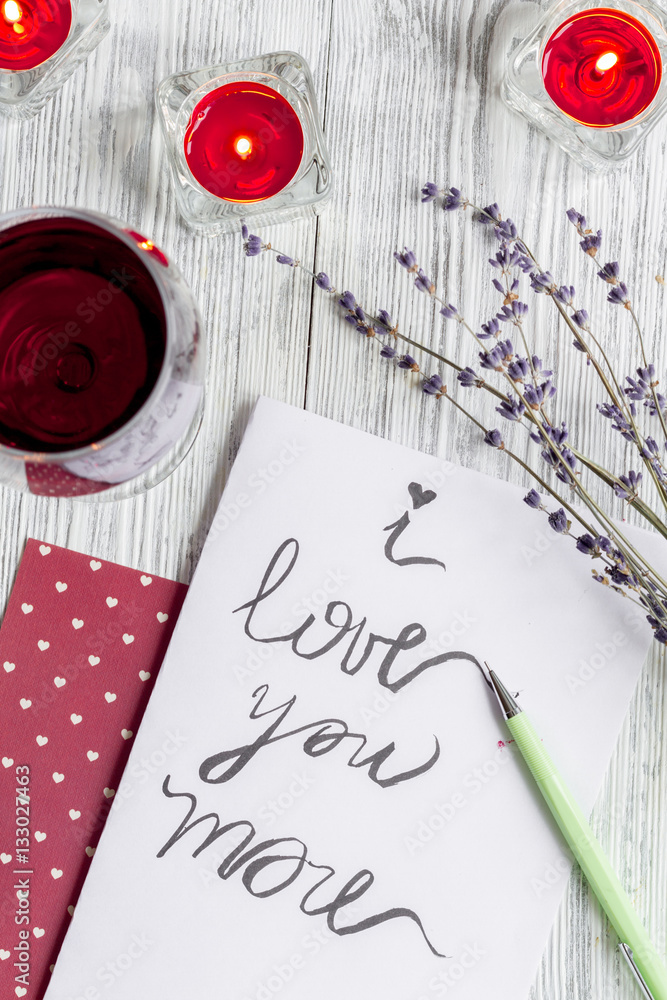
[(507, 703)]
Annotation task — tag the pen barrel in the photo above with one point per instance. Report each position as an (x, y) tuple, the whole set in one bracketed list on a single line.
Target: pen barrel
[(589, 854)]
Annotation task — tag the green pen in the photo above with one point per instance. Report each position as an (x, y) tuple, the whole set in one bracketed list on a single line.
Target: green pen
[(636, 946)]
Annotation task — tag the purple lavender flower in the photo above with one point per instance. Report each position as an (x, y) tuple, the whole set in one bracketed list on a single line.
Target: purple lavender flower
[(524, 263), (610, 272), (651, 448), (430, 191), (619, 421), (511, 409), (498, 356), (491, 329), (490, 215), (385, 319), (628, 486), (619, 295), (543, 282), (244, 231), (558, 435), (322, 281), (640, 388), (536, 395), (539, 370), (450, 312), (452, 200), (407, 259), (519, 369), (494, 438), (534, 500), (512, 313), (498, 286), (558, 521), (432, 386), (253, 246), (469, 379), (565, 295), (348, 301), (388, 351), (408, 363), (284, 259), (505, 230), (577, 220), (580, 317), (591, 243), (424, 284), (586, 544)]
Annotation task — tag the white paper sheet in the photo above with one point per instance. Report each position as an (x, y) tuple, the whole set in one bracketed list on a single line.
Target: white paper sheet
[(462, 859)]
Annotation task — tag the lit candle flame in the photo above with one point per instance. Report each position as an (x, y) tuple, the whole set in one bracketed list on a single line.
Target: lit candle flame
[(243, 146), (606, 61), (11, 11)]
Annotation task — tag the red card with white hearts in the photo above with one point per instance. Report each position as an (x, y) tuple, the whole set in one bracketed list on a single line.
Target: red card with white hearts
[(80, 647)]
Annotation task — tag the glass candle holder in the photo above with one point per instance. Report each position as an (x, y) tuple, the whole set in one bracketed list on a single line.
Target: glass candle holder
[(41, 44), (592, 76), (244, 141), (101, 357)]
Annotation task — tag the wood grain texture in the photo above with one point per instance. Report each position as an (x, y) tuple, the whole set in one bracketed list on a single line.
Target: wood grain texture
[(409, 92)]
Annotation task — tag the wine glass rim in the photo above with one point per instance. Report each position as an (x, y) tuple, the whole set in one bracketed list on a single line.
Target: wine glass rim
[(115, 228)]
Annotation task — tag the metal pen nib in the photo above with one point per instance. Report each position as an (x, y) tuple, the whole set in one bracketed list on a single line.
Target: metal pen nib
[(507, 703)]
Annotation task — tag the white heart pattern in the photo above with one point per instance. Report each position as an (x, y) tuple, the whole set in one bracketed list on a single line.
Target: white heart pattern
[(56, 873), (5, 858), (90, 851), (7, 761), (76, 719), (58, 777), (127, 734), (9, 666), (38, 932), (74, 814), (162, 617), (61, 587), (112, 601), (43, 645), (128, 639), (25, 703), (109, 792), (4, 955), (91, 755), (45, 549), (39, 836), (59, 682), (42, 740), (20, 991), (144, 675), (93, 660), (77, 623), (146, 581), (27, 608), (95, 565), (110, 697)]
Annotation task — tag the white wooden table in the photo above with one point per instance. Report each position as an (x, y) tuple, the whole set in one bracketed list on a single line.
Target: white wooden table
[(409, 92)]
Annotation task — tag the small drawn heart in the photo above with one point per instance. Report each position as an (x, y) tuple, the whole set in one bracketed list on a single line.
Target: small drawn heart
[(27, 608), (9, 666), (109, 697), (91, 755), (39, 836), (7, 761), (20, 991), (162, 617), (58, 777), (74, 814), (5, 858), (95, 565), (109, 792), (112, 601), (146, 581), (43, 645), (93, 660), (76, 719), (70, 910), (77, 623), (420, 496), (90, 851), (4, 955), (127, 734), (61, 587), (59, 682), (45, 549), (38, 932), (42, 740), (25, 703), (128, 639), (144, 675), (56, 873)]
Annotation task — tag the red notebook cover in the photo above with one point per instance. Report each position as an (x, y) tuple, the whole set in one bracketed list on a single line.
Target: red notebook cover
[(80, 647)]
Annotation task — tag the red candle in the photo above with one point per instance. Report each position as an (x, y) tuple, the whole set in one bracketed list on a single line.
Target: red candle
[(244, 142), (31, 31), (602, 67)]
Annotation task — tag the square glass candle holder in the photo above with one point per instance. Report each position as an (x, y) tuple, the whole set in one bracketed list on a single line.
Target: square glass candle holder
[(598, 146), (216, 208), (24, 92)]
